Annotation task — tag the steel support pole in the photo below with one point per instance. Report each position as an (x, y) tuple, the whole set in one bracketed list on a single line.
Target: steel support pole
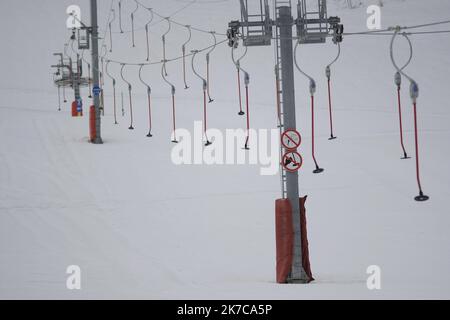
[(95, 70), (285, 23)]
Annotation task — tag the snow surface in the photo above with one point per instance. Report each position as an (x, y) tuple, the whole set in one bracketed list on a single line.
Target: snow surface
[(141, 227)]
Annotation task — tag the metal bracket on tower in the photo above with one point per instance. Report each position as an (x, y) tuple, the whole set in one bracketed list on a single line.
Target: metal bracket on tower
[(313, 24), (255, 24)]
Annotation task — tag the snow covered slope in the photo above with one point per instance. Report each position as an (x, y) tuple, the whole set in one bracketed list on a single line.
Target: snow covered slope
[(141, 227)]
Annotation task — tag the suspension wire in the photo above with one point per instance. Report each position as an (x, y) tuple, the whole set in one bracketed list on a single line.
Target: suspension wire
[(110, 30), (414, 93), (163, 18), (238, 69), (328, 75), (205, 88), (164, 45), (147, 37), (149, 92), (173, 90), (208, 58), (183, 50), (179, 23), (120, 16), (246, 82), (312, 90), (398, 82), (132, 24), (130, 96), (114, 91), (167, 60)]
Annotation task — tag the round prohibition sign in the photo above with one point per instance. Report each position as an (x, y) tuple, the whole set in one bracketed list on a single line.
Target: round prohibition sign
[(291, 139), (292, 161)]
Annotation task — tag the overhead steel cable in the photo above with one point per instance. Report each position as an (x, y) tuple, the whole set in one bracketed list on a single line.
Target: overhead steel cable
[(312, 90), (205, 87), (149, 92), (179, 23), (162, 61), (130, 96)]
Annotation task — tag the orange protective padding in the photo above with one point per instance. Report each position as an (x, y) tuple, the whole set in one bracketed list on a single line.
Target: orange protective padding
[(305, 245), (74, 109), (92, 129), (285, 239)]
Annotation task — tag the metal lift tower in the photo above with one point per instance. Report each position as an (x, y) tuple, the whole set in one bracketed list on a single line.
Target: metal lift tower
[(256, 29)]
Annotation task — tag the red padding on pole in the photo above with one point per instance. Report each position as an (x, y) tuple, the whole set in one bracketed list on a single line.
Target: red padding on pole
[(305, 244), (285, 239), (74, 109), (92, 128)]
